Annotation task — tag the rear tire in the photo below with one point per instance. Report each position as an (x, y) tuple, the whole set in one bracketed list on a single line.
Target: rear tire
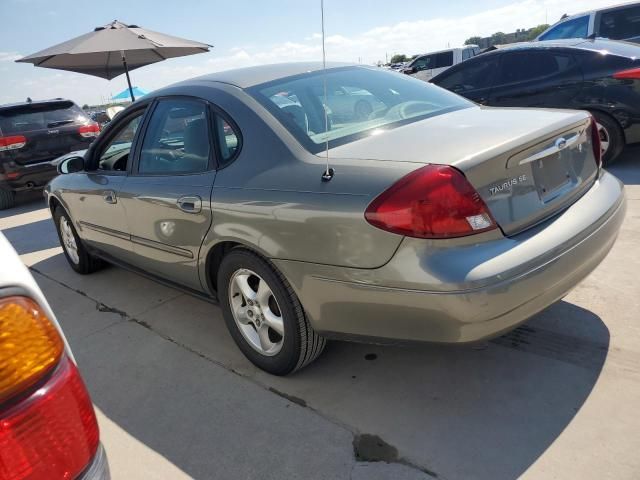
[(74, 250), (611, 135), (7, 198), (243, 310)]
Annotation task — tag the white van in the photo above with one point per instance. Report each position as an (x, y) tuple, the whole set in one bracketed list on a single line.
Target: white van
[(431, 64)]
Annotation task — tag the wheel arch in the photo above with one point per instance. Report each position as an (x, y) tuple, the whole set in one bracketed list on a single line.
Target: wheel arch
[(214, 256), (54, 201), (608, 115)]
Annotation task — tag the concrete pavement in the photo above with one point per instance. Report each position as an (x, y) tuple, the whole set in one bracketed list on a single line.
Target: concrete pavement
[(557, 398)]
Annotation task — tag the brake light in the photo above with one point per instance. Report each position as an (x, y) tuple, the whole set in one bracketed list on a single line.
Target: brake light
[(595, 142), (51, 434), (91, 130), (631, 74), (12, 143), (30, 345), (48, 427), (435, 201)]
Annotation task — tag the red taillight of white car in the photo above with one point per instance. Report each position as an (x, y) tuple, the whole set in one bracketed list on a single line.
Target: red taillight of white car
[(595, 142), (91, 130), (12, 142), (48, 427), (435, 201)]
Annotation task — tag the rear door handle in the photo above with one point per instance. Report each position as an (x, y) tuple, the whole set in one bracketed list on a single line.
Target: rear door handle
[(109, 196), (190, 204)]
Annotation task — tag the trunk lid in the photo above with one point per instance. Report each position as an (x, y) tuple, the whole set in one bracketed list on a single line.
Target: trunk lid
[(526, 164), (51, 129)]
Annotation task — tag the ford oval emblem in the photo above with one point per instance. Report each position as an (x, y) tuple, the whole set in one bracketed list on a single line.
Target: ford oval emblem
[(561, 143)]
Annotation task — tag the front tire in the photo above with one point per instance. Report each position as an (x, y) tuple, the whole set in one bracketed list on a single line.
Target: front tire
[(74, 250), (611, 137), (263, 314)]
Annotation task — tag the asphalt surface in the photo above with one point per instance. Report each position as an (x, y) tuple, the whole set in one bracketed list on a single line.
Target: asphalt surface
[(556, 399)]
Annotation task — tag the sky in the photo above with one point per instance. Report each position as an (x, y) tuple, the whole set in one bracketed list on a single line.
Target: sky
[(246, 33)]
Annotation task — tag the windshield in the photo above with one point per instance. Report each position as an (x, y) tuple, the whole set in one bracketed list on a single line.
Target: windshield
[(575, 28), (40, 117), (360, 101)]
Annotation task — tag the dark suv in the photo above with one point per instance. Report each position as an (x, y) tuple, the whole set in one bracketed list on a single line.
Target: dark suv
[(34, 133)]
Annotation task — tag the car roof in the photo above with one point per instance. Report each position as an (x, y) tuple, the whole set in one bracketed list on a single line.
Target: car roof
[(33, 102), (589, 12), (602, 45), (451, 49), (251, 76)]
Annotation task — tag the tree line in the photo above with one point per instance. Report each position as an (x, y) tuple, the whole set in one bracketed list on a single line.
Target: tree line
[(498, 38)]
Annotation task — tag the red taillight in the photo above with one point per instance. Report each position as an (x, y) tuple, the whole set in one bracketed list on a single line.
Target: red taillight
[(631, 74), (595, 142), (53, 433), (12, 143), (435, 201), (91, 130)]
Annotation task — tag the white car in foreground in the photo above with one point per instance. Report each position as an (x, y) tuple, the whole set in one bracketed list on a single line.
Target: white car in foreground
[(48, 427)]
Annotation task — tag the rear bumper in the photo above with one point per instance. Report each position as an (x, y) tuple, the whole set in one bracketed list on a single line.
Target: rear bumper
[(98, 469), (27, 177), (451, 293)]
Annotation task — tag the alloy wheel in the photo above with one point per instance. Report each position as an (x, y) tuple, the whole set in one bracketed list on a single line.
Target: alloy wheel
[(605, 139), (69, 240), (256, 312)]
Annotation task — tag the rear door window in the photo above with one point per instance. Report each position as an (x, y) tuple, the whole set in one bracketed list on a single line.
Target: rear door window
[(620, 23), (526, 66), (26, 118), (575, 28)]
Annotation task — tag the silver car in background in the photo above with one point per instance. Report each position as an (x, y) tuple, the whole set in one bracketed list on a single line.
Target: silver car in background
[(438, 220)]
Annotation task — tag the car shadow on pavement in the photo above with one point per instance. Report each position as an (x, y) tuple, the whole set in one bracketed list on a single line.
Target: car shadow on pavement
[(25, 202), (32, 237), (627, 167), (486, 411)]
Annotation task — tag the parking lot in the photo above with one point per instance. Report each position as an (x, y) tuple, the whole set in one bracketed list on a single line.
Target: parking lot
[(557, 398)]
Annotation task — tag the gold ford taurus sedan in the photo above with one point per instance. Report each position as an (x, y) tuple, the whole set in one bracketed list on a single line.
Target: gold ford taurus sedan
[(438, 220)]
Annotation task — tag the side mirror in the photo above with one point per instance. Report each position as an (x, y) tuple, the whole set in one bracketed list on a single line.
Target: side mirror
[(71, 165), (409, 70)]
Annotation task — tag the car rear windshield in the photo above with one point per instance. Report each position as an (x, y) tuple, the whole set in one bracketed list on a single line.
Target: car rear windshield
[(360, 101), (39, 116)]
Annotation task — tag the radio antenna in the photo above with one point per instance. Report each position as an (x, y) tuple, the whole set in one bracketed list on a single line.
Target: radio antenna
[(328, 172)]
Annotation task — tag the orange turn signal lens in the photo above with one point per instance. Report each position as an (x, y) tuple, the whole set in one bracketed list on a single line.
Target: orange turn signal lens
[(30, 345)]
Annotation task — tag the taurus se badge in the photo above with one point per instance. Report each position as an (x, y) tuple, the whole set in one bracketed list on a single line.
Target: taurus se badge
[(507, 185)]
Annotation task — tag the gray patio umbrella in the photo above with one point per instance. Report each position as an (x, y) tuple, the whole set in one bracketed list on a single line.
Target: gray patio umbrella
[(114, 49)]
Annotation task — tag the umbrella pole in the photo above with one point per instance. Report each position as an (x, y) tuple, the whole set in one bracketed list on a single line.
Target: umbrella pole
[(126, 71)]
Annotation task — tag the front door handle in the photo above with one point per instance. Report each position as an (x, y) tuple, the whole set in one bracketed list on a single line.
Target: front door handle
[(190, 204), (110, 196)]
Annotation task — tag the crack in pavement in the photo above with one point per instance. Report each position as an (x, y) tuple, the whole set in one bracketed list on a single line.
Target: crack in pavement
[(366, 447)]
